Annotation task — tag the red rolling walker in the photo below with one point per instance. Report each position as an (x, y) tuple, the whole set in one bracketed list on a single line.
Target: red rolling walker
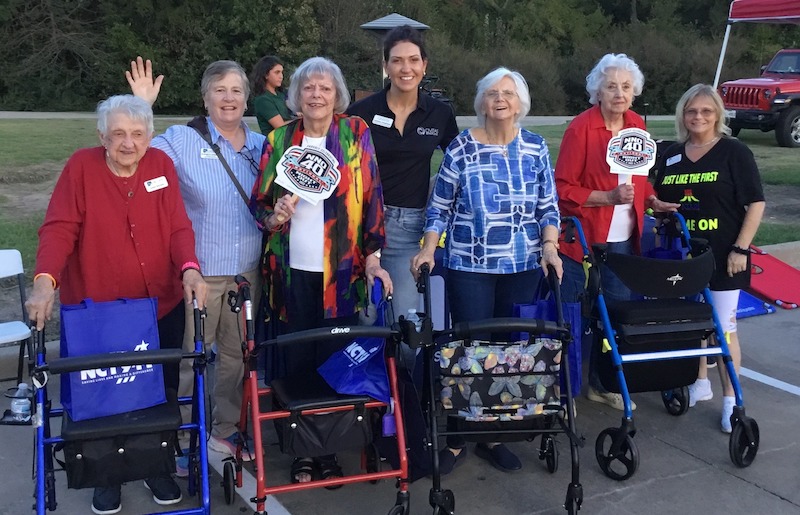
[(321, 400)]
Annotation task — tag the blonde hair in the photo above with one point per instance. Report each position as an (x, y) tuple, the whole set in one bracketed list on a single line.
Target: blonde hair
[(700, 90)]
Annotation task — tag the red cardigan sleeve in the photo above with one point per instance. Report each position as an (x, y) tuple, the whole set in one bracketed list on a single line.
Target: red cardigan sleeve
[(59, 232), (570, 166), (182, 242)]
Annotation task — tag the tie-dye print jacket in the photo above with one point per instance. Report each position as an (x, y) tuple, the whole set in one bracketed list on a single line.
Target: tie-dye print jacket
[(353, 217)]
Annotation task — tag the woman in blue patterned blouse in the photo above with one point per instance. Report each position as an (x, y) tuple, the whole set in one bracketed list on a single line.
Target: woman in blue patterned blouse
[(495, 196)]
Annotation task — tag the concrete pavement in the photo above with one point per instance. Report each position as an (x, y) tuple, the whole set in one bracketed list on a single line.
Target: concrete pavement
[(684, 462)]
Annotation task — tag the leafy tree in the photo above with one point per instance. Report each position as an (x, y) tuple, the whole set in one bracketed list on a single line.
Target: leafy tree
[(50, 50)]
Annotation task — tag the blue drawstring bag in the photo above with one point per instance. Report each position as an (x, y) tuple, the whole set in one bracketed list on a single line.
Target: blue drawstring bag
[(360, 368)]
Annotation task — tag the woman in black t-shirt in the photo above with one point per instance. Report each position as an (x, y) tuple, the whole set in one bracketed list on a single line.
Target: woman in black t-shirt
[(716, 181)]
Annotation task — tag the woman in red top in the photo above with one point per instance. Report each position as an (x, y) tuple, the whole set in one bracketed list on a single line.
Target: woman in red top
[(609, 209), (116, 227)]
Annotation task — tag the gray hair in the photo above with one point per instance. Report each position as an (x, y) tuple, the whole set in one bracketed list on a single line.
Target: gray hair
[(218, 70), (700, 90), (317, 66), (599, 74), (133, 107), (492, 78)]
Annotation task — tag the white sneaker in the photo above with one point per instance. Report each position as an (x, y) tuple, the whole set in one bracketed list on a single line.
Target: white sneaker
[(612, 399), (727, 410), (700, 390)]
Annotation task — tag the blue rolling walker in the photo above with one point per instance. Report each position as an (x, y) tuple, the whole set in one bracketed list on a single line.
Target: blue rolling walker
[(153, 428), (653, 343)]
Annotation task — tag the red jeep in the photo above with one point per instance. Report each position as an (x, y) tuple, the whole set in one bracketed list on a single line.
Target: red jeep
[(769, 102)]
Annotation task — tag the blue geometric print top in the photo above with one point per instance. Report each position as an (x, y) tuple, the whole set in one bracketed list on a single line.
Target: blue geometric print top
[(493, 206)]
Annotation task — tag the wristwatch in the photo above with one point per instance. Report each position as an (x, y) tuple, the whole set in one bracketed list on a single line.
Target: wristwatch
[(377, 253)]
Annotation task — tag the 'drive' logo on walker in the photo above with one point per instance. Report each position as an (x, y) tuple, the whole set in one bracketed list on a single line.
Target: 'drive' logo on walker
[(309, 172), (120, 375), (357, 353)]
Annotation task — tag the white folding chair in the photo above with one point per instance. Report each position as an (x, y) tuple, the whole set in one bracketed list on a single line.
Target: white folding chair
[(15, 331)]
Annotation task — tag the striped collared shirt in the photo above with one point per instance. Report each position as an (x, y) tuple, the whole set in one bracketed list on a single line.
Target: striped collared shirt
[(228, 240)]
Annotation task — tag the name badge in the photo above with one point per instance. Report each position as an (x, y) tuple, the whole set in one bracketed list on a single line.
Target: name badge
[(208, 153), (155, 184), (382, 121), (674, 159)]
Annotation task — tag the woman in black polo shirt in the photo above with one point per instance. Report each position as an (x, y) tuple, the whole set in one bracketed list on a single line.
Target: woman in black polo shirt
[(407, 126)]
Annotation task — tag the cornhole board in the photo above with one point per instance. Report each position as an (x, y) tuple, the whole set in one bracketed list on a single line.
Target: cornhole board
[(750, 306), (774, 280)]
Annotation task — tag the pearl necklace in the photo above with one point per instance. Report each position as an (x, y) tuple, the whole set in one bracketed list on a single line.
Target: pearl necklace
[(701, 145)]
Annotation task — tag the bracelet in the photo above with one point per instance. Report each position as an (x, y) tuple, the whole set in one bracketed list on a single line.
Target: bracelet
[(554, 242), (45, 274), (190, 265), (739, 250)]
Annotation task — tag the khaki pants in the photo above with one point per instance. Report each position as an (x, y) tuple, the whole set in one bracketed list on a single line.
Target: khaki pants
[(223, 327)]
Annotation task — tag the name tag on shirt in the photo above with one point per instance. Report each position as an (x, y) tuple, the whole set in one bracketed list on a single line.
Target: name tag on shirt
[(674, 159), (208, 153), (382, 121), (155, 184)]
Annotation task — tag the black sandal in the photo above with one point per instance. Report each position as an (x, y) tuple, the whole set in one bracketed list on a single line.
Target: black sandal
[(302, 466), (329, 468)]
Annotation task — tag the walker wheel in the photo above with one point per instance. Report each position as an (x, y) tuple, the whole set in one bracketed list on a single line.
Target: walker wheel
[(446, 504), (398, 510), (228, 482), (572, 506), (627, 456), (742, 451), (676, 400), (549, 452)]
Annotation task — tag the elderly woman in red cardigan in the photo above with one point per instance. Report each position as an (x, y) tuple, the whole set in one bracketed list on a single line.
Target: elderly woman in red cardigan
[(116, 227)]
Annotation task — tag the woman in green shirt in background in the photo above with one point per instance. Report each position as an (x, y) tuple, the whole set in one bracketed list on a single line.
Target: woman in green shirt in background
[(270, 99)]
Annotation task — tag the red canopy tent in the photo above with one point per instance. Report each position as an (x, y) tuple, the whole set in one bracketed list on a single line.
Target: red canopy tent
[(758, 11)]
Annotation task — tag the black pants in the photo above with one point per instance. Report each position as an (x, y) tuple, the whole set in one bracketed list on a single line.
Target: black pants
[(304, 310), (170, 335)]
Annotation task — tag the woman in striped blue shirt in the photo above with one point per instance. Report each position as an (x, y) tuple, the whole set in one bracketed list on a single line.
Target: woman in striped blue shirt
[(495, 196)]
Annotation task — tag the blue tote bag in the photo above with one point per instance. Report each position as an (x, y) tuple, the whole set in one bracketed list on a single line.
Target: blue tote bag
[(360, 368), (102, 327)]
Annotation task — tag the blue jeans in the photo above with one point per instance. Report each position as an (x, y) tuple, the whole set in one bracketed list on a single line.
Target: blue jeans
[(474, 296), (572, 286), (403, 226)]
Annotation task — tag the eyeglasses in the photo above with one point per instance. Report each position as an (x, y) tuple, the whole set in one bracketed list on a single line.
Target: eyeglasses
[(506, 94), (705, 113), (250, 160)]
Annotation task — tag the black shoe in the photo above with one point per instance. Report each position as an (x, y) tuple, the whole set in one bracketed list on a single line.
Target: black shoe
[(499, 456), (165, 490), (449, 461), (711, 361), (107, 500)]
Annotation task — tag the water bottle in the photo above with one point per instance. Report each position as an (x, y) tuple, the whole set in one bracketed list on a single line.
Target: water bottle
[(21, 403), (414, 317)]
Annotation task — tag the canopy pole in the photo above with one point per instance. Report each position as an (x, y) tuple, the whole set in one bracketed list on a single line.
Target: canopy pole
[(722, 55)]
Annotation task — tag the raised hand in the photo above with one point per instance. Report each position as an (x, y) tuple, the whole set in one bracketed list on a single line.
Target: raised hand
[(140, 78)]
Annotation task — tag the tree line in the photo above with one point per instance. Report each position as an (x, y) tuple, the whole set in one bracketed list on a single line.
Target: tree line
[(68, 54)]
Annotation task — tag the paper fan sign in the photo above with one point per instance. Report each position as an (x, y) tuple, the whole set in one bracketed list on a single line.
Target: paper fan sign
[(632, 152), (310, 173)]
